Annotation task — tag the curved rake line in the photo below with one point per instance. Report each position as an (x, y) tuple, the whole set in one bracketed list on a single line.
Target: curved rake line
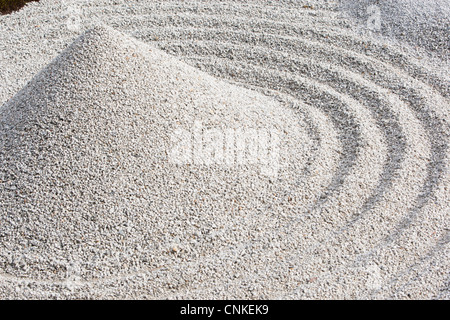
[(435, 250), (339, 177), (435, 168), (350, 148), (219, 7), (308, 46), (231, 21), (386, 120)]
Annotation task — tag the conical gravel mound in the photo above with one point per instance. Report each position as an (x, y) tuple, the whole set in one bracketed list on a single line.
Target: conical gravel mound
[(117, 157)]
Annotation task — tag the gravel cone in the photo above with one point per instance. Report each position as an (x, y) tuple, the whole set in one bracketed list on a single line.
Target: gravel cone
[(118, 158)]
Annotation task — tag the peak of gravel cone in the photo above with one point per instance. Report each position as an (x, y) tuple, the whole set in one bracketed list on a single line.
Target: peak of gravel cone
[(88, 188)]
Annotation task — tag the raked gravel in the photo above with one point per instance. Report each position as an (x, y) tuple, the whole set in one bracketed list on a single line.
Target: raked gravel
[(92, 207)]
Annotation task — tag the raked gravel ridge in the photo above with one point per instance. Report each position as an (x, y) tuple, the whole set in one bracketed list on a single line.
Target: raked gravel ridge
[(91, 206)]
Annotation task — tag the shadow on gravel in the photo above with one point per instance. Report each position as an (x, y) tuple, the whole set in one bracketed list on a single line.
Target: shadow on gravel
[(8, 6)]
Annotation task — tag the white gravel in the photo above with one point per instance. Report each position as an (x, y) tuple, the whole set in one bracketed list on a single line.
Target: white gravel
[(91, 206)]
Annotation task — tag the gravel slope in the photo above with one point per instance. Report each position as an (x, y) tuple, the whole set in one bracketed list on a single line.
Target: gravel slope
[(361, 213)]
